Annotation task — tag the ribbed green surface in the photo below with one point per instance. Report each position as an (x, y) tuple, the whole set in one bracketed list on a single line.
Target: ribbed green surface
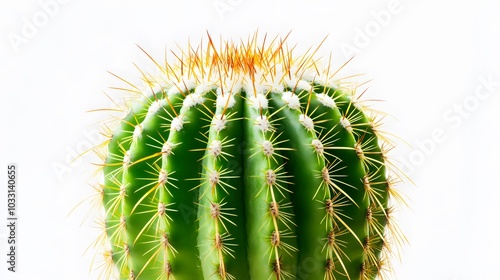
[(247, 163), (245, 192)]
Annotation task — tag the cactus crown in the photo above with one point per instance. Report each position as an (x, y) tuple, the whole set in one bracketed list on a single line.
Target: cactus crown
[(244, 161)]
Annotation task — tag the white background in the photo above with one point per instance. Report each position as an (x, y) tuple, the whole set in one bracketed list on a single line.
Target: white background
[(428, 61)]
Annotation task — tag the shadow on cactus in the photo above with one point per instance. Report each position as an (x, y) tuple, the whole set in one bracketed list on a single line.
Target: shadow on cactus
[(246, 161)]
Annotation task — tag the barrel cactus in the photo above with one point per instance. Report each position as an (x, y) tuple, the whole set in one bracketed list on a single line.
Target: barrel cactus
[(245, 161)]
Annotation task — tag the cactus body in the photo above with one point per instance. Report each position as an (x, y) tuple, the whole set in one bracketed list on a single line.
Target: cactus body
[(246, 162)]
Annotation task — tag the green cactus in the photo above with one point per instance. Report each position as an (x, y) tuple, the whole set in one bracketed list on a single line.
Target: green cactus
[(246, 162)]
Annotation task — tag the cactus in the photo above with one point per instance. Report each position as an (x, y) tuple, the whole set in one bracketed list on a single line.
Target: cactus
[(245, 161)]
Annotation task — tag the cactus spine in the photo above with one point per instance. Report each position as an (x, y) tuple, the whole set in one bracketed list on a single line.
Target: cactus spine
[(246, 162)]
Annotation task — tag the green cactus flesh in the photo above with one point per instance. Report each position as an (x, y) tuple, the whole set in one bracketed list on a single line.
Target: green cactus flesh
[(246, 162)]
